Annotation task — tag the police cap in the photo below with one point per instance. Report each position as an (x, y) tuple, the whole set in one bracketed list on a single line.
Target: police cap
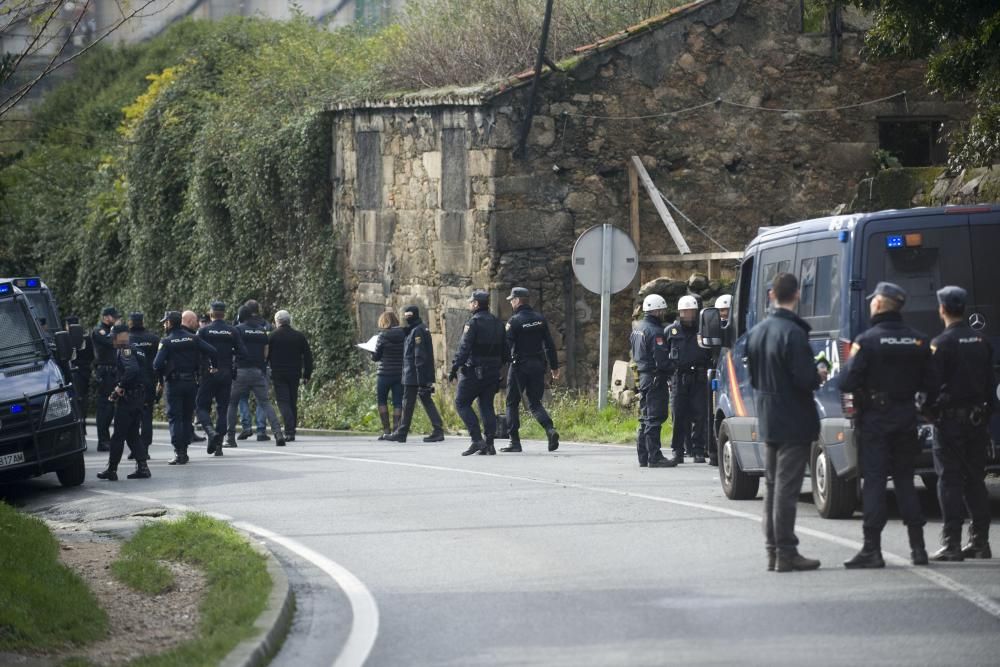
[(119, 329), (890, 291), (172, 316), (480, 296), (137, 319), (519, 293), (109, 310), (72, 319), (218, 307), (952, 297)]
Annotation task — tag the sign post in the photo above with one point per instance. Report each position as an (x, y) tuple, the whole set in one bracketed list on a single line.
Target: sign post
[(605, 262)]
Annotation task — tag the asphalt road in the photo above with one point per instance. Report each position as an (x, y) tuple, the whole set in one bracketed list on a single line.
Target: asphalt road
[(572, 558)]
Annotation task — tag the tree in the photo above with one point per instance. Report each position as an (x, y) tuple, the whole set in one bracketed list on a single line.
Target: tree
[(48, 31), (961, 41)]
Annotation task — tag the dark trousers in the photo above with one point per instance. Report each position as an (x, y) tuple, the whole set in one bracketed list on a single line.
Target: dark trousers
[(146, 419), (481, 390), (410, 394), (180, 395), (105, 408), (286, 394), (960, 462), (654, 408), (127, 418), (214, 388), (785, 468), (81, 386), (690, 402), (526, 376), (888, 449)]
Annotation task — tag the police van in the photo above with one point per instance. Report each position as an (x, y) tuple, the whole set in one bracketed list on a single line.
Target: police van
[(41, 301), (838, 261), (40, 427)]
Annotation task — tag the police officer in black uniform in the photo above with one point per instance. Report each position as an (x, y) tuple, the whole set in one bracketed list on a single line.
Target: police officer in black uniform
[(889, 366), (964, 399), (689, 362), (149, 343), (649, 354), (104, 357), (177, 363), (215, 387), (127, 398), (83, 360), (418, 378), (530, 345), (476, 366)]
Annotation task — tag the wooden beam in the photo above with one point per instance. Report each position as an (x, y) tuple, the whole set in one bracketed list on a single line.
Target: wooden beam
[(661, 207), (690, 257), (633, 213)]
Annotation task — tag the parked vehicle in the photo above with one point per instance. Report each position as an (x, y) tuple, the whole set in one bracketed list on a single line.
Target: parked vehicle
[(838, 261), (40, 427), (42, 302)]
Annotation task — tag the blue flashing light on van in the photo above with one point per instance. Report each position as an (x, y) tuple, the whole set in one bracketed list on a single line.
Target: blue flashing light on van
[(838, 261)]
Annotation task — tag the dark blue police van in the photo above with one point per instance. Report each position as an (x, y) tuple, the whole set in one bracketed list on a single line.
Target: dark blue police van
[(42, 302), (838, 261), (40, 426)]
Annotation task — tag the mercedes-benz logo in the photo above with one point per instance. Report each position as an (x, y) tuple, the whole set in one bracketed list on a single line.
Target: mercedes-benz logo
[(977, 321)]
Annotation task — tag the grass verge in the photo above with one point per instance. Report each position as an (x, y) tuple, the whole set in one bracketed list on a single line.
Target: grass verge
[(143, 575), (238, 582), (43, 604)]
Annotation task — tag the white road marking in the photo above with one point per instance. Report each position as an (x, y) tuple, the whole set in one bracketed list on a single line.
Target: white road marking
[(364, 609), (935, 577)]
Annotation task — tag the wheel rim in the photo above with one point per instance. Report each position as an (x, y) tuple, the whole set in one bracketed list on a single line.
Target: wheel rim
[(820, 476), (727, 460)]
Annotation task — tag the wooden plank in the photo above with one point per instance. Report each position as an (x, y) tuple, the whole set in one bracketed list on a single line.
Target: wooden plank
[(633, 214), (691, 257), (661, 207)]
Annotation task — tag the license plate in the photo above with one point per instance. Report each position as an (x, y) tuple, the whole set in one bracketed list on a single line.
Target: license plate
[(11, 459)]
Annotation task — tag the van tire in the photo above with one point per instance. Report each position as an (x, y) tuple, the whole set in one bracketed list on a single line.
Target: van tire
[(835, 497), (74, 473), (736, 484)]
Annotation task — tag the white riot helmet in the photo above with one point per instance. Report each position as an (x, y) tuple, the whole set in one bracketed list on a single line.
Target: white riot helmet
[(687, 303), (724, 301), (653, 302)]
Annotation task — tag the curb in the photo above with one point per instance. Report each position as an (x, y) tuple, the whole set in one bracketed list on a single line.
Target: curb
[(272, 625)]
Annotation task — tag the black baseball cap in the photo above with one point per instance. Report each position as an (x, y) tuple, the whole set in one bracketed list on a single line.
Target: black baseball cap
[(119, 329), (952, 297), (480, 296), (890, 291), (109, 310), (172, 316), (519, 293), (136, 318), (218, 306)]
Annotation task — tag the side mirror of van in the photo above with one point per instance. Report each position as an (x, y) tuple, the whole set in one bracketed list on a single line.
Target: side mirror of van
[(76, 336), (64, 346), (710, 328)]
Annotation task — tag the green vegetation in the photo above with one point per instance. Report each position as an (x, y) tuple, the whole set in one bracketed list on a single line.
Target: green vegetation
[(143, 575), (43, 604), (238, 582), (349, 404)]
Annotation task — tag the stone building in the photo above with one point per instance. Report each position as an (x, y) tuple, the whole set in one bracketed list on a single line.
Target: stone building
[(726, 103)]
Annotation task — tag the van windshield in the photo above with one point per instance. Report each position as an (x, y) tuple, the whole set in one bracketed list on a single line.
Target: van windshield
[(19, 339), (43, 309)]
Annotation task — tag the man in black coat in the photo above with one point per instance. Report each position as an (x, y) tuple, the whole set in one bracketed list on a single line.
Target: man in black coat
[(291, 364), (418, 378), (649, 354), (478, 360), (149, 343), (783, 374), (104, 356), (217, 387)]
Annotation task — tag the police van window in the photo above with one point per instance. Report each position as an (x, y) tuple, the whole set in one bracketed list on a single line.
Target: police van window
[(767, 274), (19, 341), (743, 300), (819, 302)]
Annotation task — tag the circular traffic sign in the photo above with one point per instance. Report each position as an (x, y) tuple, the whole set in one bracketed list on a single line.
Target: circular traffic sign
[(588, 259)]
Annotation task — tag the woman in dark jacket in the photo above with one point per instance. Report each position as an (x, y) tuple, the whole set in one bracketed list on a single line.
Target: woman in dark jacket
[(389, 355)]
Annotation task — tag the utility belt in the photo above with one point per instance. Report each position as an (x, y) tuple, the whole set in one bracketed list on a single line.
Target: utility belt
[(976, 415), (480, 372), (690, 374), (528, 357), (882, 400), (182, 377)]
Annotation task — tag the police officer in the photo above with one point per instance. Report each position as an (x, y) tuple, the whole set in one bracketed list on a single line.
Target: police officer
[(177, 363), (530, 345), (83, 359), (251, 378), (964, 398), (478, 360), (724, 303), (216, 387), (104, 356), (889, 366), (418, 378), (649, 354), (127, 398), (689, 361), (149, 344)]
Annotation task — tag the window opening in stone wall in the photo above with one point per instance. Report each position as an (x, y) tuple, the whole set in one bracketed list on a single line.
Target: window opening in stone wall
[(454, 170), (915, 142), (369, 170), (815, 16)]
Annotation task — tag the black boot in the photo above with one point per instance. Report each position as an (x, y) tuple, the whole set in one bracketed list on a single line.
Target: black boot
[(477, 447), (396, 436), (489, 450), (111, 474), (141, 471), (553, 435), (515, 444), (180, 457), (244, 434), (870, 555), (217, 444), (918, 551), (210, 432), (978, 546), (437, 435), (383, 415), (396, 416), (230, 441)]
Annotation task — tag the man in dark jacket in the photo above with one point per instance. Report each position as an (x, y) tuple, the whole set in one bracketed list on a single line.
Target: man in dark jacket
[(127, 399), (689, 361), (149, 343), (104, 370), (783, 374), (291, 364), (418, 378), (217, 387), (478, 359), (889, 365), (649, 353)]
